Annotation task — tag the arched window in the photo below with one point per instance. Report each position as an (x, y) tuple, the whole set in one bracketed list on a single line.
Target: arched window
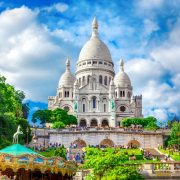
[(105, 123), (94, 102), (123, 94), (93, 123), (105, 80), (84, 108), (83, 80), (109, 80), (116, 93), (82, 123), (80, 81), (88, 78), (67, 93), (100, 79), (104, 107)]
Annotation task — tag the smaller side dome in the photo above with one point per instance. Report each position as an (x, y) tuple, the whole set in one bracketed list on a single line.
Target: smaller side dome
[(67, 79), (122, 79)]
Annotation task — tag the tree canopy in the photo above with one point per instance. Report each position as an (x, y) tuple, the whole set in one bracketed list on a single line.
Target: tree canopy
[(54, 116), (174, 139), (12, 113), (108, 164), (148, 122)]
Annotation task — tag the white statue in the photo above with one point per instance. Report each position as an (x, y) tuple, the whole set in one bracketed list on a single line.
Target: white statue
[(15, 136)]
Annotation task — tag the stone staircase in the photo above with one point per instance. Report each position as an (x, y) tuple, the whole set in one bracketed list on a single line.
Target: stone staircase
[(155, 153)]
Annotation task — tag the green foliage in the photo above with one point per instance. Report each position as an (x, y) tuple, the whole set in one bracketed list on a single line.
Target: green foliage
[(54, 116), (173, 155), (11, 113), (59, 152), (58, 125), (175, 135), (42, 115), (148, 123), (123, 173), (106, 163)]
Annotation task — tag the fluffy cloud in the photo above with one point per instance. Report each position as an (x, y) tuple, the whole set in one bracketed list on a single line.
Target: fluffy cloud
[(59, 7), (35, 43), (150, 4), (158, 77), (29, 54)]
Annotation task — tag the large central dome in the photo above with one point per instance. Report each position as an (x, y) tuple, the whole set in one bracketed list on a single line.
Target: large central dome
[(95, 48)]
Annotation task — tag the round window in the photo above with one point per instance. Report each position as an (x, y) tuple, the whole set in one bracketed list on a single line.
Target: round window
[(122, 108)]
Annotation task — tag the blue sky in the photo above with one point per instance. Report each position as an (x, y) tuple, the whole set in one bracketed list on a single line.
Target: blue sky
[(36, 37)]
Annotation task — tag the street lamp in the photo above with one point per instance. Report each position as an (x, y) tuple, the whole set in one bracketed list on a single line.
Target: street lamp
[(27, 131), (35, 141)]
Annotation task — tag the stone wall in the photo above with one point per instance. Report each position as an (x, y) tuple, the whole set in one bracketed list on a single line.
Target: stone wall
[(144, 139)]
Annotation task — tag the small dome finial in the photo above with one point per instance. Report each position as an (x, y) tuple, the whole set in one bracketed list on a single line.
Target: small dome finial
[(122, 65), (94, 27), (95, 23), (68, 64)]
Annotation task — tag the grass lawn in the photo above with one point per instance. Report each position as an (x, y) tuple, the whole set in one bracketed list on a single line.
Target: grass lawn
[(131, 151), (175, 155), (49, 153)]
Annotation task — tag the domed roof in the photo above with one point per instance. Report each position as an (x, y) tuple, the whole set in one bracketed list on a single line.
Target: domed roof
[(122, 79), (67, 79), (95, 48)]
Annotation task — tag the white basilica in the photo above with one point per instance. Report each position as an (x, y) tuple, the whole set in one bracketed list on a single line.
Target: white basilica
[(95, 95)]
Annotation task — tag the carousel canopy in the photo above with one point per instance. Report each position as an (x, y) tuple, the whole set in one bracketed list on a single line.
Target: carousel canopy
[(16, 150)]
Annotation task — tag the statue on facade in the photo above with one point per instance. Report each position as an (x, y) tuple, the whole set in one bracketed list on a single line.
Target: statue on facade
[(15, 136), (75, 106)]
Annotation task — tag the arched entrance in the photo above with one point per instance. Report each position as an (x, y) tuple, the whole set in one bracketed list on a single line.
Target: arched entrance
[(79, 143), (106, 143), (82, 123), (105, 123), (94, 123), (134, 144)]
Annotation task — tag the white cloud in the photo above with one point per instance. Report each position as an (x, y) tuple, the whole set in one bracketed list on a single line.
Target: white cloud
[(150, 4), (32, 56), (60, 7), (29, 56), (158, 77)]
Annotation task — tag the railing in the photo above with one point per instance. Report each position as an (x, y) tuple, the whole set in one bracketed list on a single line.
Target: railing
[(147, 169)]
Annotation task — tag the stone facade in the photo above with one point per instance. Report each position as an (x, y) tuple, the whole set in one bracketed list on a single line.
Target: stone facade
[(95, 94), (105, 137)]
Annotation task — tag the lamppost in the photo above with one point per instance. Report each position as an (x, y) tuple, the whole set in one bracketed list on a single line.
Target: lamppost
[(27, 131), (35, 141), (44, 134)]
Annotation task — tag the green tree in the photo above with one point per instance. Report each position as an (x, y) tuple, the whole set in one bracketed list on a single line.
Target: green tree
[(61, 152), (11, 113), (58, 125), (42, 115), (123, 173), (52, 116), (107, 164), (148, 122), (174, 140)]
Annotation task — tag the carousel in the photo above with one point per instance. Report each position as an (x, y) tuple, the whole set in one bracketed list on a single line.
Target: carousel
[(21, 163)]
